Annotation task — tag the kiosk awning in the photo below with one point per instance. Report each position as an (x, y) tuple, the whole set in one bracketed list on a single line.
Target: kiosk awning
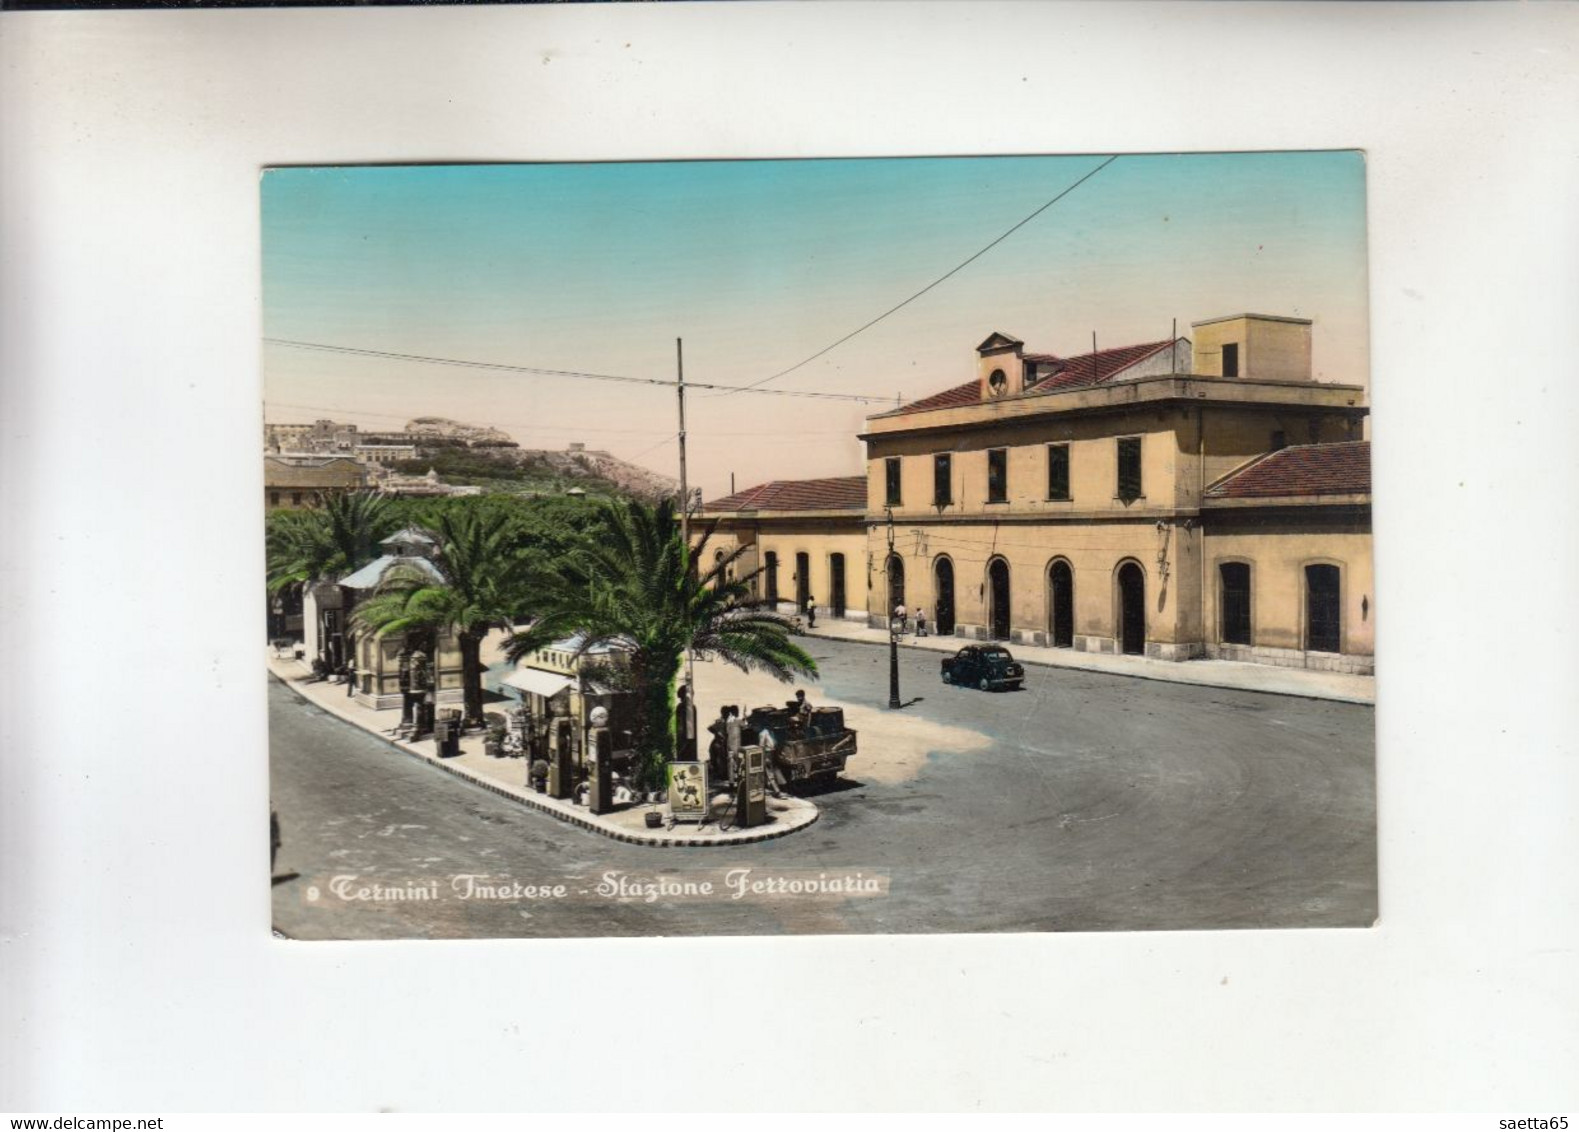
[(538, 681)]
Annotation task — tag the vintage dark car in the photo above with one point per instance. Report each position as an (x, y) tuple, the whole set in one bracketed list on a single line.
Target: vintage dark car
[(983, 666)]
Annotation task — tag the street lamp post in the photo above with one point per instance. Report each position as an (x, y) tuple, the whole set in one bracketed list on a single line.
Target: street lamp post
[(893, 623)]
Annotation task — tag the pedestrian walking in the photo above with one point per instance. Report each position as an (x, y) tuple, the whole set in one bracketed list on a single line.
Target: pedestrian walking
[(899, 619), (921, 622)]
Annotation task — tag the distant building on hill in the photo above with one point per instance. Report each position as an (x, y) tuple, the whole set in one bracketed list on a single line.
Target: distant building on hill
[(303, 480)]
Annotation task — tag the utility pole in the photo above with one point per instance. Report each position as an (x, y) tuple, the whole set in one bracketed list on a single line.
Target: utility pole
[(893, 623), (688, 739)]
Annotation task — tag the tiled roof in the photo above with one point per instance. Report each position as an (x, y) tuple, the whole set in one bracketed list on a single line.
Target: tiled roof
[(843, 493), (373, 573), (1092, 369), (1305, 469), (330, 472), (967, 394), (409, 534), (1063, 373)]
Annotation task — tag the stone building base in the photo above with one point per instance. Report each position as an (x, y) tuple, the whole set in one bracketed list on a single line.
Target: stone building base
[(1096, 644), (1177, 651), (1354, 665), (392, 700), (1155, 650)]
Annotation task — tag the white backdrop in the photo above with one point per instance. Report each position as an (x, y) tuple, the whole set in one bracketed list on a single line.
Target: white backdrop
[(139, 973)]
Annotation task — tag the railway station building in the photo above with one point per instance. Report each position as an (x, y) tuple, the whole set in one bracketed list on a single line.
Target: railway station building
[(1172, 499)]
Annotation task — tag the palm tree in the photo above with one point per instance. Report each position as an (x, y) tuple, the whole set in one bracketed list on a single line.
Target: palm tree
[(633, 584), (480, 587), (327, 541)]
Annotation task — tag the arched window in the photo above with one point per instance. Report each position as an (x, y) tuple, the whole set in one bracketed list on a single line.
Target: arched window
[(1323, 630), (943, 596), (1235, 578), (896, 583), (1132, 609), (1061, 604), (998, 598), (836, 596)]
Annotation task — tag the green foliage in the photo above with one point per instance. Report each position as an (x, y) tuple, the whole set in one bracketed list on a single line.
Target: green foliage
[(483, 570), (630, 580), (328, 541), (502, 469)]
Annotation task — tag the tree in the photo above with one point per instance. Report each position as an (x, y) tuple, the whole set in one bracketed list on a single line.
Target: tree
[(328, 541), (632, 583), (480, 587)]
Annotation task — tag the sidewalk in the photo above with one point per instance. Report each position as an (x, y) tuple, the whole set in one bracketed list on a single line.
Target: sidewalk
[(1208, 673), (506, 776)]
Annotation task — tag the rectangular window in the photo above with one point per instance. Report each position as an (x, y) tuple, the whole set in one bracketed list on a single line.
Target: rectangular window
[(1230, 359), (891, 469), (1236, 603), (942, 480), (1058, 471), (1129, 486), (998, 475)]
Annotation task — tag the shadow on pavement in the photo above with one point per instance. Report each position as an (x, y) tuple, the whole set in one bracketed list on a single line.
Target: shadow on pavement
[(829, 786)]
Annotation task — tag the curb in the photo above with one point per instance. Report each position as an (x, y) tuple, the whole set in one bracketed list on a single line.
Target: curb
[(1324, 697), (527, 799)]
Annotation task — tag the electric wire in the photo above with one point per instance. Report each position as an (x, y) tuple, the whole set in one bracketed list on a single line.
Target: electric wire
[(464, 363), (753, 386)]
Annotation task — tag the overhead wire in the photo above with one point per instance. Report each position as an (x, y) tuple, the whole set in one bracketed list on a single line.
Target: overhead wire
[(753, 386), (584, 375)]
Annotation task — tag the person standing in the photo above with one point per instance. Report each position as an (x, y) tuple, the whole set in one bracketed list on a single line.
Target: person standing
[(899, 619), (921, 622), (811, 612)]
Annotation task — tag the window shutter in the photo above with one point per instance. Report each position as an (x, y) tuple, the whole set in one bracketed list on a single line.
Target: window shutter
[(1129, 486), (1058, 471)]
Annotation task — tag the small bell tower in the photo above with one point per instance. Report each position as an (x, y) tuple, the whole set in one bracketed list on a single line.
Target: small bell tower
[(1000, 366)]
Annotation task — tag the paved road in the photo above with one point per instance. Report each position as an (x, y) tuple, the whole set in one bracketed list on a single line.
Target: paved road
[(1104, 803)]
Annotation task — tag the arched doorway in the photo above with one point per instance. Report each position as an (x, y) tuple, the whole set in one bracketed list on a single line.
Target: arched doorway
[(896, 585), (1132, 609), (1322, 609), (998, 598), (943, 589), (1061, 604), (802, 581)]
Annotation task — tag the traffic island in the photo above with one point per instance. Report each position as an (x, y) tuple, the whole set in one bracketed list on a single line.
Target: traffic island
[(506, 777)]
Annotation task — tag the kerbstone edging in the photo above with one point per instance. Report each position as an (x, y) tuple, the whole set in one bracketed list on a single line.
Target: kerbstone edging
[(528, 798), (1184, 675)]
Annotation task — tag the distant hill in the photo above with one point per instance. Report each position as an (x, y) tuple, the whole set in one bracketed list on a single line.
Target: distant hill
[(442, 428), (476, 454)]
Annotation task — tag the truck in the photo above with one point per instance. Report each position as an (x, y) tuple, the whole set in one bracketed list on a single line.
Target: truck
[(804, 744)]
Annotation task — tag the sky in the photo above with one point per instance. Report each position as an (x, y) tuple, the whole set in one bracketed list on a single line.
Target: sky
[(757, 265)]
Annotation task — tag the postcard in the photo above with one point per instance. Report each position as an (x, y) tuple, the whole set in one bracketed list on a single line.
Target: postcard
[(819, 546)]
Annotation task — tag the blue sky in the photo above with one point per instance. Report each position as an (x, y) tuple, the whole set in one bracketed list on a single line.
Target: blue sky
[(599, 267)]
